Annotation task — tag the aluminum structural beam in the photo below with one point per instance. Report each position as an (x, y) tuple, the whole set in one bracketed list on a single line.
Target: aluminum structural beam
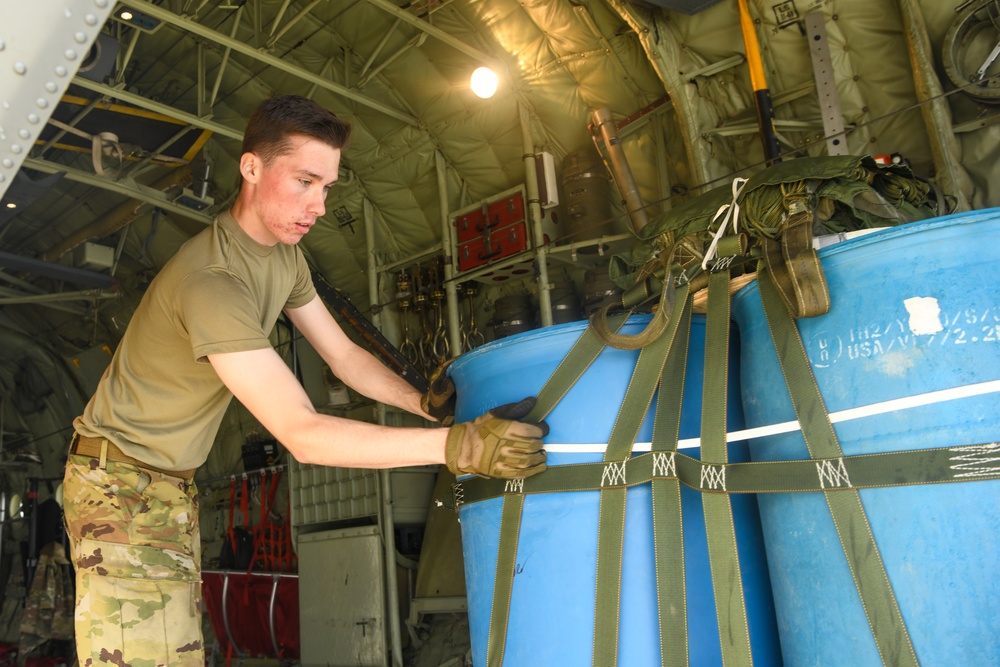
[(41, 47), (437, 33), (150, 105), (129, 189), (13, 297), (53, 270), (193, 27), (225, 60)]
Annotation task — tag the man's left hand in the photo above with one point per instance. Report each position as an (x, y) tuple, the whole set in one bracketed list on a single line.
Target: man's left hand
[(439, 401)]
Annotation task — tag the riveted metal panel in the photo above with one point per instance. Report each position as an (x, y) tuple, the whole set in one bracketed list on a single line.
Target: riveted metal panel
[(41, 50)]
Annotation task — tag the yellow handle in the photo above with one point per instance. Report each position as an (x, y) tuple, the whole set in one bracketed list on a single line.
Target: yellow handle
[(752, 48)]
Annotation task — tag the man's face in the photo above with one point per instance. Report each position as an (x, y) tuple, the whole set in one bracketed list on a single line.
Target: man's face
[(289, 194)]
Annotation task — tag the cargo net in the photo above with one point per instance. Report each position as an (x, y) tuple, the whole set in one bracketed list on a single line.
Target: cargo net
[(762, 227)]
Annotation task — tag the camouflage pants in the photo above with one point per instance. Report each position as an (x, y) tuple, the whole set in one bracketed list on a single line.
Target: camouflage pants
[(136, 547)]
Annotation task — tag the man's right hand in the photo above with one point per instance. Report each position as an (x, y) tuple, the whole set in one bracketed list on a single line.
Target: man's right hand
[(496, 444)]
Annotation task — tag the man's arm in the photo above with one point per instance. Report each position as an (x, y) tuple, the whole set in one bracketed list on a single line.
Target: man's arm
[(495, 445), (262, 382), (352, 364)]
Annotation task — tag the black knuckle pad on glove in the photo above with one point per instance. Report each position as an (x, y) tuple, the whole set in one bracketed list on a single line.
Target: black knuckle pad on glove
[(517, 410), (520, 410)]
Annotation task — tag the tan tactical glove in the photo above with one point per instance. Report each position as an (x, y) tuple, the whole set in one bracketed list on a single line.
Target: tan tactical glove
[(497, 445), (439, 401)]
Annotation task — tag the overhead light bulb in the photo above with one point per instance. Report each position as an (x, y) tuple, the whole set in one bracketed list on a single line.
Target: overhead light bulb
[(11, 204), (126, 15), (484, 82)]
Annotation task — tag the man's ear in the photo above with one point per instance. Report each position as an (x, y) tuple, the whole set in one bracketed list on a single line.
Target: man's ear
[(250, 167)]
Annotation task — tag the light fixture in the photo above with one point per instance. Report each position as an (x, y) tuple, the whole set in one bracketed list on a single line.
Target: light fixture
[(136, 19), (11, 204), (484, 82)]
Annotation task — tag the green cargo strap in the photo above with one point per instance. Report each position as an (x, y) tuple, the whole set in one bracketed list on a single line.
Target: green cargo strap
[(654, 329), (942, 465), (503, 583), (583, 353), (720, 529), (668, 530), (793, 262), (611, 522), (576, 362), (847, 193), (874, 588)]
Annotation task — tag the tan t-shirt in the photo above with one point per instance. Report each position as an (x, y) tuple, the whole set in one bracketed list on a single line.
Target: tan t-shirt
[(160, 400)]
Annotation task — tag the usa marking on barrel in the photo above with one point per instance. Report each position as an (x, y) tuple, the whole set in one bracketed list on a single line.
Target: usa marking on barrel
[(972, 325)]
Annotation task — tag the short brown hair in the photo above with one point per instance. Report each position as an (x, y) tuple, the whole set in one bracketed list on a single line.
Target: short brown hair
[(282, 116)]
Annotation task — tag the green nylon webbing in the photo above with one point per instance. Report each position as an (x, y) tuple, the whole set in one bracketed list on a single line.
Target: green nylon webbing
[(610, 545), (583, 353), (874, 588), (600, 323), (503, 583), (828, 471), (720, 529), (668, 529), (962, 463), (611, 522), (576, 362)]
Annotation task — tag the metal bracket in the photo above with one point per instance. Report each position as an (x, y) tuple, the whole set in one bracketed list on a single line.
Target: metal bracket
[(826, 85)]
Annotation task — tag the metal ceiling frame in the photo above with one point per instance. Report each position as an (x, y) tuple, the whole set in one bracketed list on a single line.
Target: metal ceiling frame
[(437, 33), (230, 43), (150, 105), (277, 34), (11, 297), (413, 43), (124, 187), (207, 92), (268, 59)]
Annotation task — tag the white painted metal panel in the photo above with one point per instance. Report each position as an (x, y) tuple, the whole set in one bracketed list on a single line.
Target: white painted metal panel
[(342, 598)]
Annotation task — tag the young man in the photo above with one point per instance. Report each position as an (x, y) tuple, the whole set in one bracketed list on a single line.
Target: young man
[(199, 337)]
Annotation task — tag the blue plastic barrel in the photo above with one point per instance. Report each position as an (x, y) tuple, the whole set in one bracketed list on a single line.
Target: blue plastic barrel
[(552, 605), (915, 309)]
